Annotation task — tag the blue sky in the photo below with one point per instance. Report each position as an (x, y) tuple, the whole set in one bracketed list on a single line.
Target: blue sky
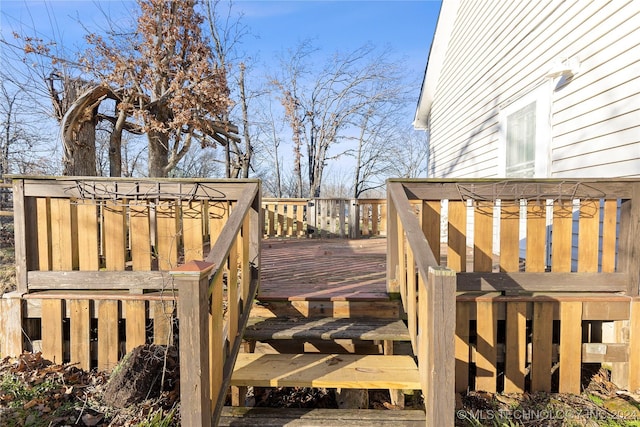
[(405, 26)]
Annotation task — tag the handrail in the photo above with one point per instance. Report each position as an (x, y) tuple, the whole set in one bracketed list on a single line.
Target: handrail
[(428, 293), (209, 334)]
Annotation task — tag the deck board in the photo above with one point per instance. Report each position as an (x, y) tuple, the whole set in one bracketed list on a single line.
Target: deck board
[(326, 370), (323, 270)]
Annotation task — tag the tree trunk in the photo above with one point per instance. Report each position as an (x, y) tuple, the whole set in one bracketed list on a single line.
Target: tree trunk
[(158, 154), (77, 111), (80, 151), (248, 148)]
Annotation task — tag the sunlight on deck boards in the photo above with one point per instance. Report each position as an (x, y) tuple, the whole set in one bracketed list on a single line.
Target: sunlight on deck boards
[(326, 370)]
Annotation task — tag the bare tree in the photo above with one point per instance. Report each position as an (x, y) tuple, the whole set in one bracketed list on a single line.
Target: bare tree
[(269, 129), (23, 149), (322, 103), (409, 154)]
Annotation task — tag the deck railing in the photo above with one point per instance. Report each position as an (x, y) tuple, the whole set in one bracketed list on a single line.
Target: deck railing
[(105, 265), (324, 218), (428, 296), (547, 276)]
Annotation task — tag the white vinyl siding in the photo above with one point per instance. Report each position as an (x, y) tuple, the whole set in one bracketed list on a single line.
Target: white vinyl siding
[(500, 51)]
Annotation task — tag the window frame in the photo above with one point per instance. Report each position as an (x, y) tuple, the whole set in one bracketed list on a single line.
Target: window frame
[(542, 97)]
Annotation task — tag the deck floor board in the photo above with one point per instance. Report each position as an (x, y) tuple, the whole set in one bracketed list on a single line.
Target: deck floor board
[(323, 270)]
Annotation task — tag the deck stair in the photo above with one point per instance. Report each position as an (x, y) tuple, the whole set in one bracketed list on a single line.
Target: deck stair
[(299, 337)]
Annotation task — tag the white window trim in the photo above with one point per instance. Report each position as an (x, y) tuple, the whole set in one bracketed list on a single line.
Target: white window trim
[(542, 96)]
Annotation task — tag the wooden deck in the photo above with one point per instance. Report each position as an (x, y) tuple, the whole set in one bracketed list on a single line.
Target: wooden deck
[(323, 270)]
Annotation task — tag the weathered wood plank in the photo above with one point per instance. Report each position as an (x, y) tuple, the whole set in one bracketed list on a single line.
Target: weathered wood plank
[(21, 235), (609, 237), (166, 235), (108, 342), (393, 259), (536, 237), (300, 220), (325, 370), (62, 246), (11, 321), (430, 222), (634, 346), (483, 237), (136, 322), (462, 348), (52, 343), (43, 234), (114, 236), (457, 252), (374, 219), (629, 249), (138, 188), (271, 219), (192, 230), (509, 237), (588, 235), (487, 333), (542, 346), (195, 397), (561, 236), (516, 342), (570, 347), (327, 328), (541, 282), (140, 235), (162, 322), (605, 353), (280, 220), (513, 189), (88, 235), (217, 350), (295, 417), (440, 389), (134, 280), (383, 219), (80, 344), (411, 298), (233, 293)]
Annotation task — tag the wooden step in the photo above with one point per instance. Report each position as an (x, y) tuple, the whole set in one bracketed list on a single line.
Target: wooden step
[(328, 328), (326, 370), (272, 417), (388, 309)]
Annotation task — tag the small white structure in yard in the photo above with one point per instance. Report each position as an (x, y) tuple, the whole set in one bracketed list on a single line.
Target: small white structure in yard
[(546, 89)]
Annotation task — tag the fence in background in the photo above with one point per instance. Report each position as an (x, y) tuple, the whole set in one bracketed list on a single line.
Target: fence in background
[(324, 218)]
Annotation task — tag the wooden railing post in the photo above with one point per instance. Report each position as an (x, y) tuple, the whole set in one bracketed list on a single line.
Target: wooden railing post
[(11, 321), (354, 219), (20, 234), (393, 238), (192, 280), (439, 308)]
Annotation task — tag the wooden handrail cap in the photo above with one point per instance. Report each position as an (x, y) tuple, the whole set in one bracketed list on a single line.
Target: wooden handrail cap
[(198, 267)]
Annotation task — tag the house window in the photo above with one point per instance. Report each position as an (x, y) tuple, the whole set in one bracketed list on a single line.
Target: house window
[(524, 135), (521, 142)]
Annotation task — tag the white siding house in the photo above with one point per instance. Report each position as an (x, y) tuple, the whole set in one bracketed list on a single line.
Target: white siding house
[(533, 88)]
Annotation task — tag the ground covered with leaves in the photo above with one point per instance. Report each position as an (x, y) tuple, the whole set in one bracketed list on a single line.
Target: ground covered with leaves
[(35, 392)]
